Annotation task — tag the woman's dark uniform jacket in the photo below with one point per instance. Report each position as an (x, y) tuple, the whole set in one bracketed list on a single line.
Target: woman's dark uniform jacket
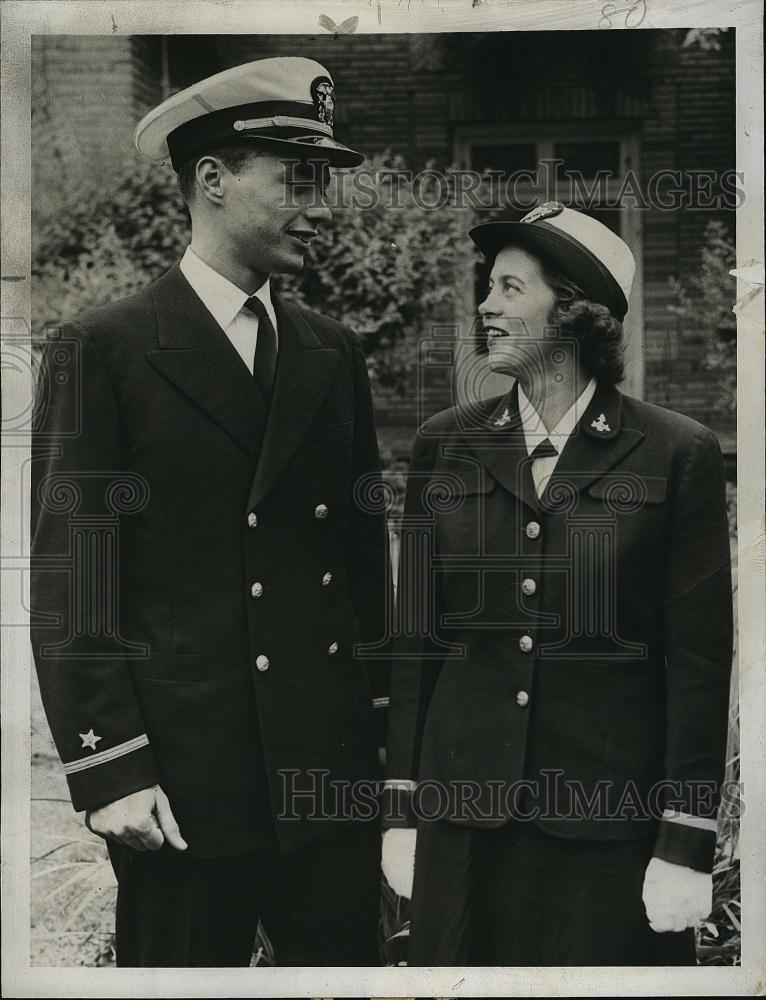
[(585, 639), (245, 568)]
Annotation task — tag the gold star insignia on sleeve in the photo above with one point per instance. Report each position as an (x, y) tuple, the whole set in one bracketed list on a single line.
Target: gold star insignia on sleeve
[(89, 739)]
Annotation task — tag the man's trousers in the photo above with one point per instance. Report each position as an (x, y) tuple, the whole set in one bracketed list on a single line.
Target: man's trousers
[(319, 906)]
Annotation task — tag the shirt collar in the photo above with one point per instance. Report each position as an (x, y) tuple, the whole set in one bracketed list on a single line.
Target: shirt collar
[(219, 296), (535, 430)]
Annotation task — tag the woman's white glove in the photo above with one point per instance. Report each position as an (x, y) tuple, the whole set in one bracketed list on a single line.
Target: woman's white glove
[(676, 897), (398, 860)]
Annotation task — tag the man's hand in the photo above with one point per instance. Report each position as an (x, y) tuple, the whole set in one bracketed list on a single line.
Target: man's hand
[(398, 860), (676, 897), (143, 821)]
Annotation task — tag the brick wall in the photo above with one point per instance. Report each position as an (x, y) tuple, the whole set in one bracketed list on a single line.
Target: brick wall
[(87, 94), (692, 129)]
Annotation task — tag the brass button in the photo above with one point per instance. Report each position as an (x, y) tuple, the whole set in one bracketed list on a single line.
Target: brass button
[(252, 520), (522, 699), (262, 662), (333, 649), (525, 643), (257, 589), (321, 511), (533, 529), (528, 587), (326, 579)]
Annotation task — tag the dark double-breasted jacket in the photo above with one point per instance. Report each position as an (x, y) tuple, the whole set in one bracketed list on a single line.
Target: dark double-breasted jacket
[(565, 660), (203, 567)]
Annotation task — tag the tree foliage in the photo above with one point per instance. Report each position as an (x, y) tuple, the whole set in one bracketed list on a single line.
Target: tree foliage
[(704, 306)]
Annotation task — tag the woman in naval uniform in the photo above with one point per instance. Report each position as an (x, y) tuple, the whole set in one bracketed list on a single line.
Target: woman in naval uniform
[(559, 700)]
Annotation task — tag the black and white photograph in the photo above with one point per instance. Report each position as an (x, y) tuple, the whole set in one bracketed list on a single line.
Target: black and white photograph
[(383, 487)]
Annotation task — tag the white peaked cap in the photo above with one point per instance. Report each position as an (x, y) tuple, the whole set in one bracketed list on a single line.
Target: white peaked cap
[(286, 103)]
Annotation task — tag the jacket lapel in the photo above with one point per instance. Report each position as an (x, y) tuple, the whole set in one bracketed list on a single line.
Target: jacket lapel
[(200, 360), (502, 450), (599, 441), (305, 371)]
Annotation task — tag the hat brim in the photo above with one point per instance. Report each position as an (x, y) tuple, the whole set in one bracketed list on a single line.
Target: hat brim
[(316, 149), (319, 149), (559, 250)]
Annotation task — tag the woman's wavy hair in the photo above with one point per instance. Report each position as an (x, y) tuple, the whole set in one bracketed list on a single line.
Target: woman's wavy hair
[(597, 332)]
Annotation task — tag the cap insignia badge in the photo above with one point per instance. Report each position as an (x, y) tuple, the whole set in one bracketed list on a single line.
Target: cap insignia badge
[(601, 425), (504, 419), (544, 211), (323, 95)]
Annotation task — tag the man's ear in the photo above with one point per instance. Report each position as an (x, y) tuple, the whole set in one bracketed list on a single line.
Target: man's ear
[(209, 173)]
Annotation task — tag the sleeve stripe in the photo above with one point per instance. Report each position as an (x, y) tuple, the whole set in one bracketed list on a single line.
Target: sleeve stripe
[(380, 702), (699, 822), (106, 755)]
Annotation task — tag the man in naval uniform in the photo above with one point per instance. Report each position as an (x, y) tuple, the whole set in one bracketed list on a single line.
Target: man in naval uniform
[(559, 707), (204, 563)]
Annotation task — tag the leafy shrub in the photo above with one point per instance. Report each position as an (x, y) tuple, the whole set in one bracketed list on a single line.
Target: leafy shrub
[(704, 306), (107, 244), (388, 272)]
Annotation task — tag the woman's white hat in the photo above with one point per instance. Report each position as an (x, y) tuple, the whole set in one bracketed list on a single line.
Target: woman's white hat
[(581, 248)]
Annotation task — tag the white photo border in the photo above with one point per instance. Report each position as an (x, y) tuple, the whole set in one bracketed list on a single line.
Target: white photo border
[(23, 18)]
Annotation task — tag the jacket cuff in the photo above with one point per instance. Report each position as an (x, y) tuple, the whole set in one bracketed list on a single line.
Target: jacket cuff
[(396, 805), (380, 717), (98, 780), (682, 844)]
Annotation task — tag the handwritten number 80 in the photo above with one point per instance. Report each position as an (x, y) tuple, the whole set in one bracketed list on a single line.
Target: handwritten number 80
[(634, 15)]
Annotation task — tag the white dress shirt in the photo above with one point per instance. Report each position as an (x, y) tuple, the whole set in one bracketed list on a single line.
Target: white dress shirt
[(535, 431), (225, 302)]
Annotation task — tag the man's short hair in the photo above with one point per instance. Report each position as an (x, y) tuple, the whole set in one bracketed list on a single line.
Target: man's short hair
[(232, 156)]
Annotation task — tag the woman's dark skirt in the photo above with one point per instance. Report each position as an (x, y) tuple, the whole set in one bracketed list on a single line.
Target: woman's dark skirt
[(517, 896)]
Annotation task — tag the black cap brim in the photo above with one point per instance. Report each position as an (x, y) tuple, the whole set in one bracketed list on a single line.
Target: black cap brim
[(324, 150), (560, 251), (317, 149)]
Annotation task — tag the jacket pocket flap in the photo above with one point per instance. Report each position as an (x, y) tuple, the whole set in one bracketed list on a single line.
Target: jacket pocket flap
[(461, 484), (343, 430), (629, 490)]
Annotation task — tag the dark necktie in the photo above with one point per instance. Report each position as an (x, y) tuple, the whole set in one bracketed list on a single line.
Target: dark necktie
[(543, 450), (265, 362)]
